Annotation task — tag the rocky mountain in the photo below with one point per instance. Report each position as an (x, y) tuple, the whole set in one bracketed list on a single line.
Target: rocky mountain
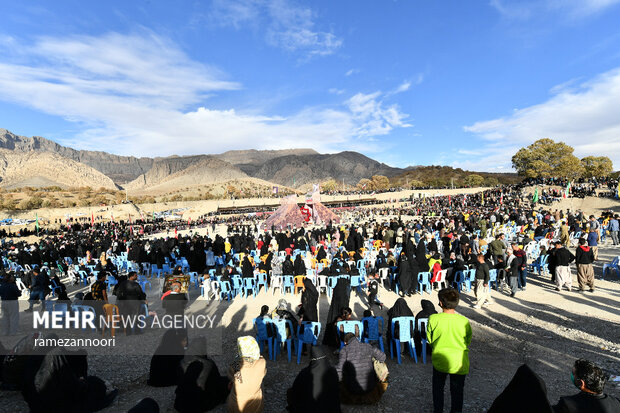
[(120, 169), (168, 174), (291, 167), (36, 169), (296, 170), (254, 156)]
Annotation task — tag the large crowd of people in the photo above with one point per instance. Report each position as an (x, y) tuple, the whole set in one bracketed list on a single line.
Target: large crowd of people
[(443, 242)]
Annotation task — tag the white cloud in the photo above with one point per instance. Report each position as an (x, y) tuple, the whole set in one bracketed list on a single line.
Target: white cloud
[(286, 25), (142, 95), (573, 9), (585, 117), (336, 91), (351, 72)]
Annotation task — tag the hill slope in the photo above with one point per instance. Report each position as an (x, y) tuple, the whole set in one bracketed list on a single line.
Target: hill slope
[(296, 170), (170, 173), (37, 169), (119, 168)]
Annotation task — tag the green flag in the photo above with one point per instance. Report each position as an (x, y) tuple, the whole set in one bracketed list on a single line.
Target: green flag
[(535, 197), (36, 224)]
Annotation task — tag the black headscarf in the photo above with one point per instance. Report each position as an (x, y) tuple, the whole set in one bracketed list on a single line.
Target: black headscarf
[(201, 388), (526, 392), (309, 300), (340, 300), (165, 361), (247, 271), (405, 274), (315, 388), (321, 254), (299, 266), (399, 309)]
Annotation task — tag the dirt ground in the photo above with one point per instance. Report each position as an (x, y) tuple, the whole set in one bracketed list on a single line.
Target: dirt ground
[(541, 327)]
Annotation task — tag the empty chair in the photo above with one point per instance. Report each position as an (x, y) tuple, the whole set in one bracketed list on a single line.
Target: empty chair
[(404, 334), (470, 277), (249, 284), (55, 287), (307, 333), (262, 333), (276, 282), (459, 280), (298, 281), (111, 314), (261, 279), (424, 282), (288, 282), (237, 285), (225, 289), (614, 265), (492, 278)]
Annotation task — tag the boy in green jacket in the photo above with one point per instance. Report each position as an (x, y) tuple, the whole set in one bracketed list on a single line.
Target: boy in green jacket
[(449, 334)]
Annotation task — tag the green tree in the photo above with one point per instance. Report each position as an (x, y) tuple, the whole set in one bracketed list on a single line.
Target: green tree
[(491, 181), (595, 166), (473, 180), (380, 182), (546, 158)]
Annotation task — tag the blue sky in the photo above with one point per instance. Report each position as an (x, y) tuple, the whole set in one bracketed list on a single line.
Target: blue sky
[(461, 83)]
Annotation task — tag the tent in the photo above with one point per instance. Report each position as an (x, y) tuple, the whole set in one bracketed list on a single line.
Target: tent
[(287, 214)]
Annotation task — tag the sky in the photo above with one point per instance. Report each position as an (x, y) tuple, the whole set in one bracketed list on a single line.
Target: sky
[(405, 82)]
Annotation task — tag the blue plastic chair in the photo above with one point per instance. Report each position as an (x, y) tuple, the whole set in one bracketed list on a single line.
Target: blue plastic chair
[(261, 334), (54, 287), (225, 289), (372, 331), (237, 285), (143, 284), (424, 282), (422, 323), (459, 280), (83, 277), (331, 284), (405, 335), (288, 282), (110, 281), (282, 337), (356, 282), (309, 335), (249, 284), (193, 278), (470, 276), (614, 265), (492, 278), (261, 279), (349, 327)]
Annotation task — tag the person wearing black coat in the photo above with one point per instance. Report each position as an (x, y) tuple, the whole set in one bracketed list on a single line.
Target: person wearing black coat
[(340, 300), (299, 266), (287, 266), (427, 310), (201, 387), (309, 300), (316, 387), (247, 271), (399, 309), (167, 358), (526, 392)]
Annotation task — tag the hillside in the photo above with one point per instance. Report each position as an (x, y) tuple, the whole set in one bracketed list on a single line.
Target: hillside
[(120, 169), (295, 170), (168, 174), (254, 156), (19, 169)]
